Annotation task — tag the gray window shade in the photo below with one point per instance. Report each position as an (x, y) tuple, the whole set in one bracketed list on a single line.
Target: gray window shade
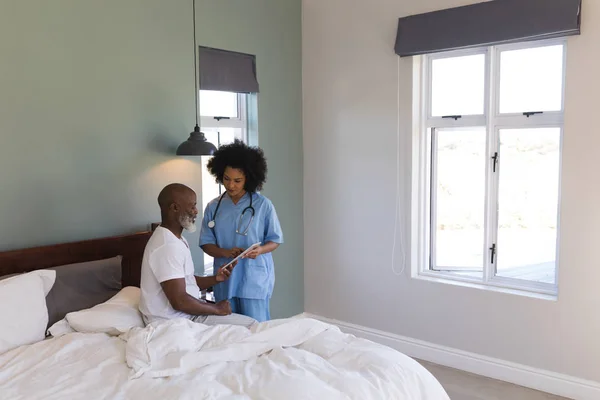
[(485, 24), (227, 71)]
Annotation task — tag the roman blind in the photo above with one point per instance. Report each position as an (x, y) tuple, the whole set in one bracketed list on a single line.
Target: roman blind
[(488, 23), (227, 71)]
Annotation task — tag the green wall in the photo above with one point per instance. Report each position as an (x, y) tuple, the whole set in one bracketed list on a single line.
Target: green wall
[(96, 95)]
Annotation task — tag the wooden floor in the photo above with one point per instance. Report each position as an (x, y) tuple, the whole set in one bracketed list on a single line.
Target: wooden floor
[(464, 386)]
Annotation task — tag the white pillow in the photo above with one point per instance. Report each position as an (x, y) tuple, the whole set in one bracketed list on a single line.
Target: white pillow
[(23, 309), (115, 316)]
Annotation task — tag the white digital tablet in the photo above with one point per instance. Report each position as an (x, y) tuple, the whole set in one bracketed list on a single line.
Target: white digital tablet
[(255, 245)]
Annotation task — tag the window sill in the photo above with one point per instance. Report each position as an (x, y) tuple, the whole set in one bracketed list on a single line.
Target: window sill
[(498, 288)]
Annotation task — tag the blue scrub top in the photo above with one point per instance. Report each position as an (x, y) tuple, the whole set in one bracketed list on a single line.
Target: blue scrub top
[(251, 279)]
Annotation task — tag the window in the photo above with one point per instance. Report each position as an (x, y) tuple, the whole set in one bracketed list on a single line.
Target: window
[(223, 118), (489, 165)]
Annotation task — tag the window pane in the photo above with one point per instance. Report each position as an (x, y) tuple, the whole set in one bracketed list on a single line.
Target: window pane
[(210, 190), (458, 85), (221, 136), (528, 203), (531, 79), (218, 104), (458, 205)]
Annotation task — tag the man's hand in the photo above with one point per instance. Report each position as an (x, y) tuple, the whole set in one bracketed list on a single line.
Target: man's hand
[(232, 253), (223, 308), (254, 252), (225, 272)]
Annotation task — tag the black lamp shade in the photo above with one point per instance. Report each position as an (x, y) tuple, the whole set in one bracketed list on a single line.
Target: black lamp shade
[(196, 145)]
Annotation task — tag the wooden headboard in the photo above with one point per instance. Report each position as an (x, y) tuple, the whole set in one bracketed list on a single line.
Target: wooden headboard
[(131, 247)]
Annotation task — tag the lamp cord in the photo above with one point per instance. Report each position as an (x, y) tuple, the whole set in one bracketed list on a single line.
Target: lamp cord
[(195, 61)]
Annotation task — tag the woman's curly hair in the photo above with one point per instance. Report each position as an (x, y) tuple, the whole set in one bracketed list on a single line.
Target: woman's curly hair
[(251, 160)]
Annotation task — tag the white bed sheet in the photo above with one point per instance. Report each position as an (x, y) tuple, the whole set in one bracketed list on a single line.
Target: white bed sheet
[(322, 363)]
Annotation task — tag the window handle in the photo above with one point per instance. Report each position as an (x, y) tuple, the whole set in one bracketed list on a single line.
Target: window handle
[(495, 158), (530, 113), (454, 117), (492, 253)]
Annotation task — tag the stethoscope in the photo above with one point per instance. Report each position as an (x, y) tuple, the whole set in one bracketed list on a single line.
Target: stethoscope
[(212, 223)]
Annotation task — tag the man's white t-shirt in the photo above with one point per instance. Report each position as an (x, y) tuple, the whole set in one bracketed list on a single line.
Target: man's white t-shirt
[(165, 257)]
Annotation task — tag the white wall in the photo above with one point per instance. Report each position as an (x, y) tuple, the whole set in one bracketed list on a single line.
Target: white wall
[(352, 80)]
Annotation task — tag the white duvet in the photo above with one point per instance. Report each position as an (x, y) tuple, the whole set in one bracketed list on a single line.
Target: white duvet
[(179, 359)]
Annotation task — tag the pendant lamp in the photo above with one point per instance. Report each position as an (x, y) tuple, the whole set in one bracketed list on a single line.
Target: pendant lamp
[(196, 144)]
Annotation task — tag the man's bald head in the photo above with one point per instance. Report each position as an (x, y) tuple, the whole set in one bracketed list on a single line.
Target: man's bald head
[(178, 207), (173, 193)]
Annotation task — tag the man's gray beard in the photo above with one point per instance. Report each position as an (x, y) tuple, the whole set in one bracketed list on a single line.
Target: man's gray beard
[(187, 223)]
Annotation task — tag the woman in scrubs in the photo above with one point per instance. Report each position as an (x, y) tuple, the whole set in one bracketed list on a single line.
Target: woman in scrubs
[(237, 219)]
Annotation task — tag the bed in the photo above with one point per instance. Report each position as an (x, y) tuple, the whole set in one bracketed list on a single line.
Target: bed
[(71, 330)]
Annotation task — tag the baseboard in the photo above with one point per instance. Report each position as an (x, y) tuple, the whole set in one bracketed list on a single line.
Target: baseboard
[(546, 381)]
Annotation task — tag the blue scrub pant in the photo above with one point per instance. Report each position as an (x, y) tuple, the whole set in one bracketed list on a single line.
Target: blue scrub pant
[(257, 309)]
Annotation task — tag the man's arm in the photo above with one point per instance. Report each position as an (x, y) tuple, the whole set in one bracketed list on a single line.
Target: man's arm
[(181, 301)]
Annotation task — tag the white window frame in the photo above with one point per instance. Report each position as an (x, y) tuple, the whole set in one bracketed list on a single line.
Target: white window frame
[(493, 121), (241, 122)]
